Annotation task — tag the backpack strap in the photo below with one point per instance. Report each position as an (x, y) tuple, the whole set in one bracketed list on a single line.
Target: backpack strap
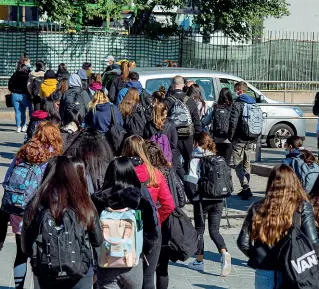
[(113, 114), (186, 98), (145, 183)]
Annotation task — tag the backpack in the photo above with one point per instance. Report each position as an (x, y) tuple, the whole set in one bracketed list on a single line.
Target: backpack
[(36, 83), (179, 235), (221, 121), (146, 100), (252, 120), (297, 259), (116, 133), (77, 103), (307, 174), (315, 108), (123, 238), (181, 116), (61, 251), (162, 140), (215, 180), (21, 186)]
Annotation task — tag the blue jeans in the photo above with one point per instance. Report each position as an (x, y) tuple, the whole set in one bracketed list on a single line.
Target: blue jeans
[(265, 279), (20, 103)]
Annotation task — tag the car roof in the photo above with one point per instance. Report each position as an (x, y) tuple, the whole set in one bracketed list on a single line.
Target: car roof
[(172, 71)]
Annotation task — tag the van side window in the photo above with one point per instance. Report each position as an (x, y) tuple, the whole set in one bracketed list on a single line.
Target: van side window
[(206, 83), (230, 84)]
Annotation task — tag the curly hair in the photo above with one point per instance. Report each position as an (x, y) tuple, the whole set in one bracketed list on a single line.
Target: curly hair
[(46, 143), (156, 156), (274, 214), (205, 142)]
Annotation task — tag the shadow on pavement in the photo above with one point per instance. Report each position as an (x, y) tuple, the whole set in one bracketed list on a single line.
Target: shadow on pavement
[(11, 144), (206, 286), (9, 156), (4, 165), (6, 130), (236, 203)]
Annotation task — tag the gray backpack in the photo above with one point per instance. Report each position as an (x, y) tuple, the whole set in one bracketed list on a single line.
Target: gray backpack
[(252, 121), (307, 174)]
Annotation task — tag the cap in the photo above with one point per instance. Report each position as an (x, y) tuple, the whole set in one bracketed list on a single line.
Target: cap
[(110, 58)]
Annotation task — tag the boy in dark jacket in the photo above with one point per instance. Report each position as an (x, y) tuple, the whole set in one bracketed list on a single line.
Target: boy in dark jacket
[(184, 144), (242, 146)]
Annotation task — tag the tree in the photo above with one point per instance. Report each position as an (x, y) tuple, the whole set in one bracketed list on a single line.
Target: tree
[(235, 18)]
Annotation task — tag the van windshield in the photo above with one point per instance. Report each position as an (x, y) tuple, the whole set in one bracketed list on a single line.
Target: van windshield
[(206, 83)]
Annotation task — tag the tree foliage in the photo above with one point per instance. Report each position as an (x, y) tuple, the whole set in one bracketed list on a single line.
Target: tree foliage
[(235, 18)]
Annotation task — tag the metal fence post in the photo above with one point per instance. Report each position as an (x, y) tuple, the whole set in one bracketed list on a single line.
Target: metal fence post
[(258, 150)]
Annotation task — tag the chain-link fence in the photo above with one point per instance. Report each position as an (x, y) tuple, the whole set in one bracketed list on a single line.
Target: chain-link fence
[(274, 56)]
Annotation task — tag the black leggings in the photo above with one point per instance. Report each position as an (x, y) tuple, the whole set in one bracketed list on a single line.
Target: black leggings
[(214, 210), (149, 269), (225, 150), (162, 278), (20, 265)]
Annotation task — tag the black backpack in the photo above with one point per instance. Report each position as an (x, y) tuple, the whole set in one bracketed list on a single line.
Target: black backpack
[(116, 133), (146, 100), (77, 103), (61, 252), (36, 83), (315, 108), (179, 235), (221, 121), (215, 178), (297, 259)]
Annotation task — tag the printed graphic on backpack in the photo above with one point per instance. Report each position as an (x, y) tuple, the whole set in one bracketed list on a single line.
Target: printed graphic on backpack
[(123, 241)]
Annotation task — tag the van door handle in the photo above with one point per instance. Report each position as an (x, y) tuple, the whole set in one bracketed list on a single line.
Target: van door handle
[(265, 114)]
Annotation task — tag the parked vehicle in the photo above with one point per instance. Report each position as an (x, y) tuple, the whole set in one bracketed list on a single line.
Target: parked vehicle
[(275, 131)]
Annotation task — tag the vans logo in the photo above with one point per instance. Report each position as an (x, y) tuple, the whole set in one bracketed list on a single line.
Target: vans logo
[(304, 262)]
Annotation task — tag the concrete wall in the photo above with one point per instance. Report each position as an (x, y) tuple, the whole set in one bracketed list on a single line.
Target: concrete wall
[(304, 17)]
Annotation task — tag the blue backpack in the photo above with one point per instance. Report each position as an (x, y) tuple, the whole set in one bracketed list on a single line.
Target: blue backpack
[(307, 174), (21, 186), (123, 238)]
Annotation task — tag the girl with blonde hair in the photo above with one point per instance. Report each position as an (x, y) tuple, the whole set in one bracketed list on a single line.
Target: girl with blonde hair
[(100, 112), (135, 148), (269, 220)]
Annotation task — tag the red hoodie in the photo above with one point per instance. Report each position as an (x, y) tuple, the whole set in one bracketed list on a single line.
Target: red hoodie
[(161, 193)]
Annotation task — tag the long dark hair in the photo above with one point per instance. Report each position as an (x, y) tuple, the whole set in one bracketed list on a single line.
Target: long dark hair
[(225, 97), (54, 115), (120, 175), (79, 166), (156, 156), (73, 115), (61, 189), (92, 147)]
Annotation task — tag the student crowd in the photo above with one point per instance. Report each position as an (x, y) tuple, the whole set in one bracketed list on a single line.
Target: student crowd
[(94, 193)]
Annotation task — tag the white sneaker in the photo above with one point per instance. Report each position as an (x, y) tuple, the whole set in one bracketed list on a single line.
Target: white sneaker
[(18, 129), (195, 265), (226, 264), (24, 128)]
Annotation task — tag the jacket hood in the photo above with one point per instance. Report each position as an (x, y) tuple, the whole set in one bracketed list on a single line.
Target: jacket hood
[(95, 86), (35, 74), (125, 198), (74, 81), (135, 84), (294, 154), (103, 107), (40, 114), (82, 74), (246, 98), (200, 153)]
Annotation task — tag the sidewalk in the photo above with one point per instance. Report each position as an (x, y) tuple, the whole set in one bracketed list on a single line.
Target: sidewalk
[(180, 276)]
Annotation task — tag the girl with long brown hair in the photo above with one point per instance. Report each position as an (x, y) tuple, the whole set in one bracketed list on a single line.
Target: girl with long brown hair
[(160, 125), (133, 113), (34, 155), (270, 219), (195, 92), (135, 148), (211, 208), (99, 116), (61, 196), (119, 82)]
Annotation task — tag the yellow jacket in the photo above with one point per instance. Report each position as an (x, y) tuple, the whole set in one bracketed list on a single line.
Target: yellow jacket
[(47, 87)]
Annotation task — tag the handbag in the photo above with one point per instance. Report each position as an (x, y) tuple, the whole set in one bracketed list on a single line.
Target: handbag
[(9, 100)]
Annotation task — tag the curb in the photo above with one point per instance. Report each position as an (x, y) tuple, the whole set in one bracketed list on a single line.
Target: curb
[(261, 170)]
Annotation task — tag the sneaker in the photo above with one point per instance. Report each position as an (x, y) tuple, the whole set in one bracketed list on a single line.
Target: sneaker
[(247, 194), (24, 128), (226, 264), (18, 129), (1, 245), (195, 265), (240, 194)]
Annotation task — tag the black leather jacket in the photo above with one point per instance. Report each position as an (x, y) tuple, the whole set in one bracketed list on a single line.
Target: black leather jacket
[(260, 255)]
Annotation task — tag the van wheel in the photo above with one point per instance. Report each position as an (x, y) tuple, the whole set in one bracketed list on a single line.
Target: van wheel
[(278, 135)]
